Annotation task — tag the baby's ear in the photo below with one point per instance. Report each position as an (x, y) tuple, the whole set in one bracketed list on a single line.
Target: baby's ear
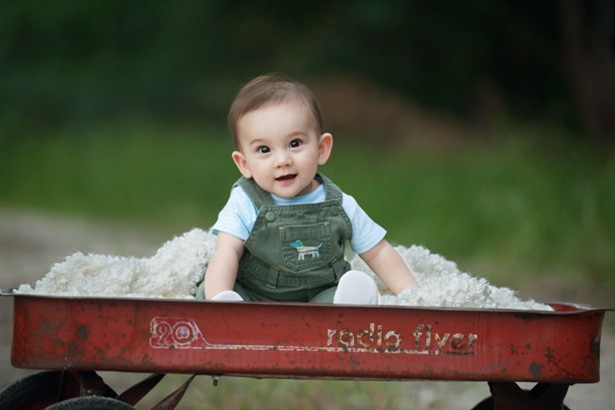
[(325, 145), (242, 164)]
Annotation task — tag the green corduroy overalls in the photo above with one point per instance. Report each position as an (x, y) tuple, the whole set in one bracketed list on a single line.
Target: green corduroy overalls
[(294, 252)]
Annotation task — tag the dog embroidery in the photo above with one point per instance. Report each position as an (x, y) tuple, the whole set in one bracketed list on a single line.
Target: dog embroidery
[(303, 250)]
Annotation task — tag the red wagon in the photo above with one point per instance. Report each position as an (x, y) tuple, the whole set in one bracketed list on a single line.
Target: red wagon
[(72, 338)]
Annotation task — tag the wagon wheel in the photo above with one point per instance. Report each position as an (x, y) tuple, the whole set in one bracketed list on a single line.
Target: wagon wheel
[(508, 395), (37, 391), (91, 403)]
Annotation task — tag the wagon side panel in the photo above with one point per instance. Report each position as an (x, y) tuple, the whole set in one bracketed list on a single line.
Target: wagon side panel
[(297, 340)]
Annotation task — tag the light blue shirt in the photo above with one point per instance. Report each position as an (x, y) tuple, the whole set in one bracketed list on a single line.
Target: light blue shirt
[(239, 214)]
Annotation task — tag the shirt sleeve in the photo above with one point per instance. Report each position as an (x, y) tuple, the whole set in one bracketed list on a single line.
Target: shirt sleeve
[(238, 215), (365, 232)]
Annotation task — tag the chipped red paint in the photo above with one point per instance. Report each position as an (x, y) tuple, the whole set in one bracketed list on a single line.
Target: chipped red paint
[(295, 340)]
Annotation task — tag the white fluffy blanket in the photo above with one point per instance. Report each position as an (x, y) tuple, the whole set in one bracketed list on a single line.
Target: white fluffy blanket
[(178, 266)]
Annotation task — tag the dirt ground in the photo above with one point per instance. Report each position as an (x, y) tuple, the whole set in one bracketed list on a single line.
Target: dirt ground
[(31, 242)]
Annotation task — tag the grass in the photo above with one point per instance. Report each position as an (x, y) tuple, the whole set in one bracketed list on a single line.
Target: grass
[(507, 209)]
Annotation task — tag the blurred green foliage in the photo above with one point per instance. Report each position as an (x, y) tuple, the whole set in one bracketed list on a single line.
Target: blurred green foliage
[(77, 61)]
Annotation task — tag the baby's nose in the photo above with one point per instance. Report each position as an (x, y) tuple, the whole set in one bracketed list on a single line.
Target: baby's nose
[(283, 159)]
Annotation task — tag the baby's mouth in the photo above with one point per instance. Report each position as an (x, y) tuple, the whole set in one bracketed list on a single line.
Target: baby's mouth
[(287, 177)]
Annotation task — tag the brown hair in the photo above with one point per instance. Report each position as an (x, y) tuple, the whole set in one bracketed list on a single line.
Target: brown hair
[(270, 89)]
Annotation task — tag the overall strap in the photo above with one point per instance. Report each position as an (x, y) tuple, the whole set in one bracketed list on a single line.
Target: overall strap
[(258, 195), (332, 190)]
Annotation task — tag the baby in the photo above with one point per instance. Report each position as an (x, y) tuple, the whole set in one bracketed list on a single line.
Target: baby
[(282, 234)]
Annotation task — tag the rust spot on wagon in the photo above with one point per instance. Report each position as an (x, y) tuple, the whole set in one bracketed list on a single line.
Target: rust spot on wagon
[(82, 333), (535, 370)]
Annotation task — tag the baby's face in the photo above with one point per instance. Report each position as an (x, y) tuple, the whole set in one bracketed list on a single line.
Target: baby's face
[(281, 148)]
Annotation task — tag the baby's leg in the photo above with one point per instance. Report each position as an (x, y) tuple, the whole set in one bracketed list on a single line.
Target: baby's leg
[(235, 295), (326, 296), (356, 288)]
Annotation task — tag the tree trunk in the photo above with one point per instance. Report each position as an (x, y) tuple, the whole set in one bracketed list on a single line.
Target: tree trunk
[(588, 28)]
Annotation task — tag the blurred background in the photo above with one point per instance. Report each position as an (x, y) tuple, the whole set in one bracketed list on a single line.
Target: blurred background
[(483, 130)]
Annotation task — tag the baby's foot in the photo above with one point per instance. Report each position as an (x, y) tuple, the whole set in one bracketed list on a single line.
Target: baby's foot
[(227, 296), (356, 288)]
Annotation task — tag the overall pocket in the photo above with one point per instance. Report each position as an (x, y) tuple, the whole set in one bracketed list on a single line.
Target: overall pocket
[(306, 247)]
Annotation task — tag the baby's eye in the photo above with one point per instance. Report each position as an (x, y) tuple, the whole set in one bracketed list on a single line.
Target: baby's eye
[(263, 149), (294, 143)]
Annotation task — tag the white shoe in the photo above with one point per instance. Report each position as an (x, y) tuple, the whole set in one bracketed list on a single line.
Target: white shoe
[(227, 296), (356, 288)]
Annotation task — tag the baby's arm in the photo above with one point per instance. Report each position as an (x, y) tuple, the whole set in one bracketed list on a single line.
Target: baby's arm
[(222, 269), (385, 262)]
